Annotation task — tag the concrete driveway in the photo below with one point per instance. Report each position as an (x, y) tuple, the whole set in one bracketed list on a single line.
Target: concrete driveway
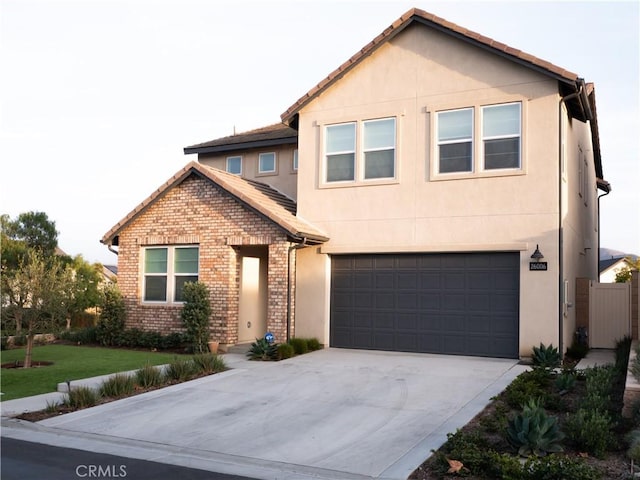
[(335, 414)]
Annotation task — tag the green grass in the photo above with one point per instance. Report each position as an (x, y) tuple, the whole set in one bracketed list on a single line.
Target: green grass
[(70, 363)]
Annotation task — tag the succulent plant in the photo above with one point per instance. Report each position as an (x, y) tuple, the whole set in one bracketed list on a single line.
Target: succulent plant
[(533, 432), (546, 357)]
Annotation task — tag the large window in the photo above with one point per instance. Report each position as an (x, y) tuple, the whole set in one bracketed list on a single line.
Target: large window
[(234, 165), (166, 270), (360, 151), (498, 126)]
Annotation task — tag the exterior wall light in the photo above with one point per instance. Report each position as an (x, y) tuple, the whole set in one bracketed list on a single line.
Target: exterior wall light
[(535, 263), (537, 255)]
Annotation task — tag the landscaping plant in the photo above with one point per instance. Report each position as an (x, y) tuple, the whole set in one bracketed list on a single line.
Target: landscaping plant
[(533, 432), (118, 385), (208, 363), (261, 349), (149, 376), (195, 315), (112, 319), (300, 346), (547, 357)]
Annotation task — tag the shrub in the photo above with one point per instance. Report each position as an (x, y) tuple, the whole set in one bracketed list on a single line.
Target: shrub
[(530, 384), (83, 336), (622, 351), (261, 349), (633, 439), (313, 344), (577, 350), (208, 363), (300, 346), (565, 382), (591, 430), (112, 319), (80, 397), (546, 357), (557, 467), (181, 370), (149, 376), (285, 350), (118, 385), (533, 432), (195, 315), (172, 340)]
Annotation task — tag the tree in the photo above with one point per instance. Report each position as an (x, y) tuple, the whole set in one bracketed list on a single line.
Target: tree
[(195, 315), (113, 316), (41, 285), (625, 274), (84, 287), (37, 232)]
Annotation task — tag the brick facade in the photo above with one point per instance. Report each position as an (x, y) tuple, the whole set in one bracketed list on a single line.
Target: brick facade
[(199, 213)]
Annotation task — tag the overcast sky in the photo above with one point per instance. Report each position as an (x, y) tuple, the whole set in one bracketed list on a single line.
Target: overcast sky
[(98, 98)]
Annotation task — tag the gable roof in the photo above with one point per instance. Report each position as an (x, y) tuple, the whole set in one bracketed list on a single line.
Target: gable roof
[(258, 197), (608, 263), (276, 134), (569, 81)]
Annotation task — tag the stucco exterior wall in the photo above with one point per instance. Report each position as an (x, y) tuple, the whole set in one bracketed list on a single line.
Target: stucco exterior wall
[(414, 75), (285, 178), (195, 212)]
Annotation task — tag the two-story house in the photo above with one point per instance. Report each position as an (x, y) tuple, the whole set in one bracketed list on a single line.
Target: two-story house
[(435, 193)]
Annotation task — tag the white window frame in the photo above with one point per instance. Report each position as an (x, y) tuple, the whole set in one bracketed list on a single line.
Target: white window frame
[(470, 139), (294, 161), (275, 163), (359, 154), (393, 147), (483, 108), (170, 274), (234, 157), (478, 170)]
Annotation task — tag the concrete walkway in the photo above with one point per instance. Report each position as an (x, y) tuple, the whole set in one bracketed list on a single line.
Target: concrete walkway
[(331, 414)]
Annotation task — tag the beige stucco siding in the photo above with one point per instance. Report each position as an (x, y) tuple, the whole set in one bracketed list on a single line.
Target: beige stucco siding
[(411, 77), (285, 178)]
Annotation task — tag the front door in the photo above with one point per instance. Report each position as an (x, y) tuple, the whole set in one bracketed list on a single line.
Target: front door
[(252, 316)]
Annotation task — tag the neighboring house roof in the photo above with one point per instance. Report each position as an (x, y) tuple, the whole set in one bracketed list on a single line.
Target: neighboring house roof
[(112, 268), (609, 263), (259, 197), (110, 272), (277, 134)]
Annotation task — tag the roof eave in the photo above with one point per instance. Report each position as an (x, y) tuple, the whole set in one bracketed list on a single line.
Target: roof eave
[(241, 146)]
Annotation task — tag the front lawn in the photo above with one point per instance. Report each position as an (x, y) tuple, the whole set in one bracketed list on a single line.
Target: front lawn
[(69, 363)]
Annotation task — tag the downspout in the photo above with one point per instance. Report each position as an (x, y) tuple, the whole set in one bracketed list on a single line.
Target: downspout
[(292, 247), (563, 300), (110, 248)]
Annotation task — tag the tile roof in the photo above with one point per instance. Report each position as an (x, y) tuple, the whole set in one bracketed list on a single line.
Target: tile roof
[(259, 197), (276, 134), (426, 18)]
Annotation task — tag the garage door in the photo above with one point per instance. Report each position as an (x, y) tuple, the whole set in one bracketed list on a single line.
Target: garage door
[(454, 303)]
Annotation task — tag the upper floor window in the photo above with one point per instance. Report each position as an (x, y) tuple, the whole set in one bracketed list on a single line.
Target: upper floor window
[(499, 128), (166, 270), (234, 165), (294, 165), (267, 162), (364, 150)]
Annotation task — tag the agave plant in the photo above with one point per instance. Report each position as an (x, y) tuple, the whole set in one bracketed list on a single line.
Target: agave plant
[(546, 357), (261, 349), (533, 432)]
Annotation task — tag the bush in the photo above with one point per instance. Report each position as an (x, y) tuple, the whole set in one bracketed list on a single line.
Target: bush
[(112, 319), (149, 376), (530, 384), (555, 467), (261, 349), (300, 346), (181, 370), (591, 430), (285, 350), (313, 344), (533, 432), (81, 397), (195, 315), (208, 363), (83, 336), (118, 385), (470, 448), (565, 382)]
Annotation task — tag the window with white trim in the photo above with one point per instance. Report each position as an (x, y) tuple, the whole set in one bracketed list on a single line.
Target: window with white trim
[(294, 165), (234, 165), (360, 151), (166, 270), (499, 128), (267, 162)]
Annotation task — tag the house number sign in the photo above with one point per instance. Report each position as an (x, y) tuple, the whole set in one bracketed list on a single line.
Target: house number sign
[(541, 266)]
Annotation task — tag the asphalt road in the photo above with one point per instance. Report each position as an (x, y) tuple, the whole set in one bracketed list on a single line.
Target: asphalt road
[(34, 461)]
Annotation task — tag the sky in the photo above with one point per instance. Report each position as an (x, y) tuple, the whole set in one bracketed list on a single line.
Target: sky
[(98, 98)]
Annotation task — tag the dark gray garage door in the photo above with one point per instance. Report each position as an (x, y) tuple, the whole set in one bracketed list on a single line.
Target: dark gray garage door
[(454, 303)]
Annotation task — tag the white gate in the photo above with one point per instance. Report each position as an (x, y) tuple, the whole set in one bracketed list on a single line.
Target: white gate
[(609, 313)]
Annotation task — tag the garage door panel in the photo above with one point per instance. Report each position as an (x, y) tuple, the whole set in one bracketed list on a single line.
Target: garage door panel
[(455, 303)]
